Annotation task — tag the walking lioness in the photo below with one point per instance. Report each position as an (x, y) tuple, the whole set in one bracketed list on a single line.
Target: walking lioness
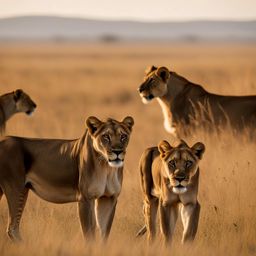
[(169, 180), (12, 103), (187, 105), (88, 170)]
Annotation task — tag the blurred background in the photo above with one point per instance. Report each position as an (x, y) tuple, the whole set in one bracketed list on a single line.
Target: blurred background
[(82, 58), (108, 21)]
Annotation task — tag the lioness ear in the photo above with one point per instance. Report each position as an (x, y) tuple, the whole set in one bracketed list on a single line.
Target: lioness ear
[(164, 73), (93, 124), (17, 94), (129, 122), (198, 149), (150, 69), (163, 148)]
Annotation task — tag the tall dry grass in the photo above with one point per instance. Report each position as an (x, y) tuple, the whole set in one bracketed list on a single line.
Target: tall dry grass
[(70, 82)]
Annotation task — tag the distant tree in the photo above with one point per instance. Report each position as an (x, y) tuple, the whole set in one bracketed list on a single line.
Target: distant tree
[(109, 38)]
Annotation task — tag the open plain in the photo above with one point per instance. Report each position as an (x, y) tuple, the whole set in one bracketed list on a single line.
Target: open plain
[(71, 81)]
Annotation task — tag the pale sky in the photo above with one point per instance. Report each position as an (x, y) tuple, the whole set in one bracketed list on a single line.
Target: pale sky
[(155, 10)]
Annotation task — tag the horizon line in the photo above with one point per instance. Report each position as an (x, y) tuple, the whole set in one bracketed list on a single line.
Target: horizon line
[(126, 19)]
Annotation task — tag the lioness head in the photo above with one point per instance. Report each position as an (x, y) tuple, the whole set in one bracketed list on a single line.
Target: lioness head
[(23, 102), (110, 138), (155, 83), (180, 163)]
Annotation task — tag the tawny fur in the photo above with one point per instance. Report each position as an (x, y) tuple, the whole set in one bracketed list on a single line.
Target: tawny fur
[(187, 106), (12, 103), (169, 181), (62, 171)]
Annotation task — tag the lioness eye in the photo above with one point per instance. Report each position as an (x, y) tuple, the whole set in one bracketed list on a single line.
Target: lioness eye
[(150, 80), (123, 137), (188, 163), (172, 164), (106, 137)]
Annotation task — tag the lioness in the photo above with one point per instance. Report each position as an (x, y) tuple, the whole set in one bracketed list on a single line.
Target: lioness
[(88, 170), (12, 103), (186, 105), (169, 179)]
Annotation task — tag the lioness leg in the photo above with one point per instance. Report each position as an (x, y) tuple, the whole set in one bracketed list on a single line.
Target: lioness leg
[(190, 217), (87, 217), (16, 199), (168, 218), (105, 211), (150, 212)]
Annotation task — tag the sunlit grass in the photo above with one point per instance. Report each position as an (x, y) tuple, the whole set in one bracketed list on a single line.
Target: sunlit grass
[(71, 82)]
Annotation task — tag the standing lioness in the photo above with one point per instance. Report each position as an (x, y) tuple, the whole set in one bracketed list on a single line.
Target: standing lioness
[(88, 170), (187, 105), (169, 180)]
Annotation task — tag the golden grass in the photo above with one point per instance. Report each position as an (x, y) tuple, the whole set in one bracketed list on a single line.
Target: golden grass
[(70, 82)]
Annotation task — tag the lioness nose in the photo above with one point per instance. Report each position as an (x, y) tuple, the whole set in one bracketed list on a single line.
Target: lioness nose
[(34, 105), (180, 178), (117, 152), (140, 89)]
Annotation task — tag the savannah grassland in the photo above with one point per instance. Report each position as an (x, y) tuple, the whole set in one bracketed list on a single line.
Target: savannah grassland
[(70, 82)]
